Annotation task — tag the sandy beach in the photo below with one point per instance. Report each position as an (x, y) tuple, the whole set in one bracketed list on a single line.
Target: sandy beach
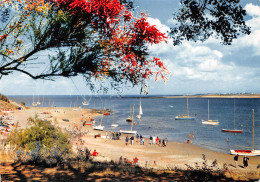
[(175, 154)]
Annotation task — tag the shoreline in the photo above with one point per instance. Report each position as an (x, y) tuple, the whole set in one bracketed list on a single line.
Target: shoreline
[(175, 154)]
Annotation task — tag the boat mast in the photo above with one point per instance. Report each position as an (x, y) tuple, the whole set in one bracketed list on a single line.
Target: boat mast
[(253, 131), (132, 120), (234, 116), (187, 107), (113, 113), (130, 111), (208, 109)]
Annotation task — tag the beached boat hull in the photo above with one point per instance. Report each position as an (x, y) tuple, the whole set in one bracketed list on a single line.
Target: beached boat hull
[(210, 122), (99, 127), (114, 125), (184, 118), (84, 103), (232, 131), (245, 152), (128, 132)]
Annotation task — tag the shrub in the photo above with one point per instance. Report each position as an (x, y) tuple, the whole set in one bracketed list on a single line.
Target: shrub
[(22, 103), (41, 143)]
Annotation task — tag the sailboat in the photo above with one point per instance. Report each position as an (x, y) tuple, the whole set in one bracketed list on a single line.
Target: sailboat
[(139, 116), (84, 103), (185, 117), (38, 102), (113, 125), (130, 117), (251, 152), (76, 107), (99, 127), (210, 122), (129, 131), (34, 103), (233, 130)]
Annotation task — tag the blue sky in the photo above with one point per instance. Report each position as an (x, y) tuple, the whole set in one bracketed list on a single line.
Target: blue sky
[(196, 68)]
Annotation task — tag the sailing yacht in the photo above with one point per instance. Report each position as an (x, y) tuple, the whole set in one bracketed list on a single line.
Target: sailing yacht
[(185, 117), (84, 103), (129, 131), (233, 130), (99, 127), (130, 117), (38, 102), (210, 122), (113, 125), (251, 152), (139, 116), (34, 103)]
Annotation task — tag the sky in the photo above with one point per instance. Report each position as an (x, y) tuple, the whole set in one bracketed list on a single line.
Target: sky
[(195, 68)]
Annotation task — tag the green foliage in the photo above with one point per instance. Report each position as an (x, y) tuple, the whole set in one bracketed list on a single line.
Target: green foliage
[(42, 133), (23, 103), (4, 98), (203, 173), (200, 19)]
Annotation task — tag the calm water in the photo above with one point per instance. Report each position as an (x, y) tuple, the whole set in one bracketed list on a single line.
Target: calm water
[(159, 118)]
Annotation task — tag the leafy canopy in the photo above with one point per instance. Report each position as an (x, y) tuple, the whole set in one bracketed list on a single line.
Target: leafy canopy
[(198, 20), (96, 38)]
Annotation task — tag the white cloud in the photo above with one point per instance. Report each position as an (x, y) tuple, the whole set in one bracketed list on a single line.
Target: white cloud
[(252, 10)]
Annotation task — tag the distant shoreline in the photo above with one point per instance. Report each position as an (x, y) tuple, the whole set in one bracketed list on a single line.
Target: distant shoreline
[(239, 96)]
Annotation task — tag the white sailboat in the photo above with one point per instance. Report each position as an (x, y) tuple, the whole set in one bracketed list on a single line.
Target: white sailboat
[(84, 103), (210, 122), (130, 117), (113, 125), (185, 117), (233, 130), (99, 127), (139, 116), (129, 131), (76, 107), (38, 102), (251, 152), (34, 103)]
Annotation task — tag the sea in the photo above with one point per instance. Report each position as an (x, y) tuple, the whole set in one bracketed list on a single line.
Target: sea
[(159, 117)]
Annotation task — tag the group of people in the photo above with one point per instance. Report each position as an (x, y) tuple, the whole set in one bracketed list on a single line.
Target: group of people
[(158, 141), (127, 161), (245, 161), (132, 138)]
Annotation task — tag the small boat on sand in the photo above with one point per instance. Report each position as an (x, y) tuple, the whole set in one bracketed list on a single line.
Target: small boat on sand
[(251, 152)]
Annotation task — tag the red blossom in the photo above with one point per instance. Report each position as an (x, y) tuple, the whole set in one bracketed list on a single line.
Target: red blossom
[(122, 32)]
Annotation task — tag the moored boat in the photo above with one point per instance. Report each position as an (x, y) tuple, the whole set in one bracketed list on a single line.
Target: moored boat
[(232, 131), (251, 152), (127, 131), (186, 117), (210, 122)]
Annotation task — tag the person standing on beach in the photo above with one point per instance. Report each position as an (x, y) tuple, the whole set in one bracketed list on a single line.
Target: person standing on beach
[(157, 140), (132, 140), (137, 138), (245, 161), (236, 159), (151, 140), (126, 140)]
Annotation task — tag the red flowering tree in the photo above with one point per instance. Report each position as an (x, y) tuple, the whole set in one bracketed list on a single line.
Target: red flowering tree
[(95, 38)]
